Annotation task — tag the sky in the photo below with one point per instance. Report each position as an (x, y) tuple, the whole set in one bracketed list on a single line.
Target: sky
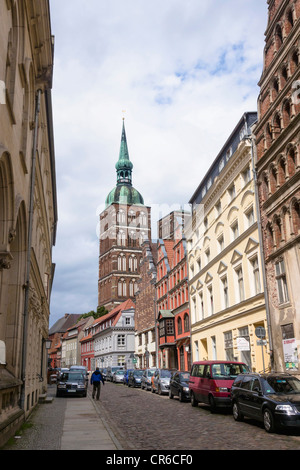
[(181, 74)]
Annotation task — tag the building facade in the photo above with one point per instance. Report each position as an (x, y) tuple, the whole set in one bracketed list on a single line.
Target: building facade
[(226, 283), (71, 343), (145, 337), (28, 207), (124, 225), (278, 174), (114, 337), (172, 301)]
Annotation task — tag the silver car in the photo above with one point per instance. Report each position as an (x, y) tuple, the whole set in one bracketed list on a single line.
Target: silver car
[(161, 381), (118, 376), (146, 378)]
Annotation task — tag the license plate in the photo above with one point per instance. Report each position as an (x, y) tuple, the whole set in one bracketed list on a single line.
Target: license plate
[(71, 391)]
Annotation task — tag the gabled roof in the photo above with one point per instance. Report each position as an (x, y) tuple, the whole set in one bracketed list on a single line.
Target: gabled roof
[(115, 313), (61, 325)]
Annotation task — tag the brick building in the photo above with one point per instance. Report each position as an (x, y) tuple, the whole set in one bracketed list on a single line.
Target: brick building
[(124, 225), (173, 322), (145, 339), (278, 171)]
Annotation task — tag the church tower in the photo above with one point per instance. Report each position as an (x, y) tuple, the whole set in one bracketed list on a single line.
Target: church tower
[(125, 224)]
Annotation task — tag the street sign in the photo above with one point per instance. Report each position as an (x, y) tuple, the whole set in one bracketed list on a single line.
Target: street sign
[(242, 344), (260, 332), (261, 342)]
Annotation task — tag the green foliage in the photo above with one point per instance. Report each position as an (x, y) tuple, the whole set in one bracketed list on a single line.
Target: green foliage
[(99, 313)]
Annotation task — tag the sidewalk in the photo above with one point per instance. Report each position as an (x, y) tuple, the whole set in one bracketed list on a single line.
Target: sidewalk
[(85, 429), (72, 423)]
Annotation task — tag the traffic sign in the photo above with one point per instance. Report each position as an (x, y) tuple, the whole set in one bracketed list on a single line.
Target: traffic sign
[(260, 332)]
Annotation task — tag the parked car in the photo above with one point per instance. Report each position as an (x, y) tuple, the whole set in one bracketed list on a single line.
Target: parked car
[(118, 376), (273, 399), (104, 372), (210, 382), (160, 381), (71, 383), (125, 378), (81, 369), (179, 385), (111, 370), (134, 378), (146, 378)]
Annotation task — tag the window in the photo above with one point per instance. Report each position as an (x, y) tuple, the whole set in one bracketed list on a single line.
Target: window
[(225, 292), (169, 327), (207, 254), (228, 346), (201, 305), (221, 243), (281, 281), (121, 361), (235, 230), (186, 323), (211, 299), (218, 208), (250, 217), (240, 281), (246, 175), (256, 277), (179, 326), (231, 192), (121, 340)]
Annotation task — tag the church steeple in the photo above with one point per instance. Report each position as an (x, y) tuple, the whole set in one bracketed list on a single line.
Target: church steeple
[(124, 165)]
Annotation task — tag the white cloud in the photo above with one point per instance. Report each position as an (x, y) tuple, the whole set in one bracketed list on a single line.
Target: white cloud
[(185, 72)]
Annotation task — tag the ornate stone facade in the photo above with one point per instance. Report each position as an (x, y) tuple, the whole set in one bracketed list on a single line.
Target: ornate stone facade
[(28, 213)]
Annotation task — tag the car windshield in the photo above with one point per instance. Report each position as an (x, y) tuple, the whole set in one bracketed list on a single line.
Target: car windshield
[(166, 373), (184, 376), (228, 370), (282, 385), (150, 373), (72, 377), (138, 372), (119, 372)]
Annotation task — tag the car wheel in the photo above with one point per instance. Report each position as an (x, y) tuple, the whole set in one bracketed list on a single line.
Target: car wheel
[(237, 415), (170, 394), (269, 424), (212, 404), (194, 402)]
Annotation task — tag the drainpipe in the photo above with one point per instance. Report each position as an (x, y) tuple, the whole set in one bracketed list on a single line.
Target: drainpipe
[(261, 250), (29, 241)]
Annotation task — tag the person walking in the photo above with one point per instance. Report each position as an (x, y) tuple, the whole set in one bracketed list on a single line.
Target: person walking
[(96, 378)]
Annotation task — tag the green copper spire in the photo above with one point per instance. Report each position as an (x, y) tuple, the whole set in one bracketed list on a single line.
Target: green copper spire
[(124, 165), (124, 193)]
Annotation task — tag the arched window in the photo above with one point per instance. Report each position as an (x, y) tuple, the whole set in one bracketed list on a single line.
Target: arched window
[(286, 113), (276, 125), (291, 161), (278, 37), (186, 323), (296, 217), (179, 325)]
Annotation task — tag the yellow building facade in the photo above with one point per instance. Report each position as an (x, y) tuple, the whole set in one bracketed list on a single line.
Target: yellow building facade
[(226, 284)]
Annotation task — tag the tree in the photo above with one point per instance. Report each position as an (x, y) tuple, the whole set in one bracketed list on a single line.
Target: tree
[(99, 313)]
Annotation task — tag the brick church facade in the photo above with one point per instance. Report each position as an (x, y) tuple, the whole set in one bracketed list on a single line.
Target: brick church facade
[(278, 171)]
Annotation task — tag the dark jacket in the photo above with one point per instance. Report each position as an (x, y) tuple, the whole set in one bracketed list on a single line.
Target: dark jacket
[(96, 377)]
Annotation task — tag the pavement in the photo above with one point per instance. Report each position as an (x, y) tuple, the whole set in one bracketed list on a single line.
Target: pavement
[(85, 429), (73, 423)]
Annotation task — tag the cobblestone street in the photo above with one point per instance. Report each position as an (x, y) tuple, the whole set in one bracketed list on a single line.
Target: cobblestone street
[(143, 420), (139, 420)]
